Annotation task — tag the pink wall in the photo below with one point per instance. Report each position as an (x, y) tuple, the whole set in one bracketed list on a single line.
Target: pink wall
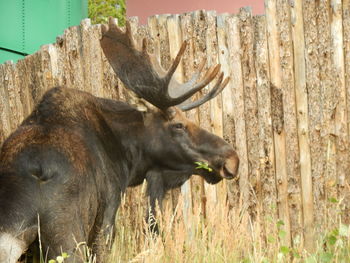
[(146, 8)]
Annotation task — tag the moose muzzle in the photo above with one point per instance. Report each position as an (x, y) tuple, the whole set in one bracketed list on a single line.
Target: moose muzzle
[(229, 170)]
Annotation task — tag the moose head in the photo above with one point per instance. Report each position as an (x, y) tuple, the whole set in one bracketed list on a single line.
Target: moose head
[(142, 73), (174, 143)]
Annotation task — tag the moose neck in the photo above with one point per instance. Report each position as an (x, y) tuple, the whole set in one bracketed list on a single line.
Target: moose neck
[(124, 142)]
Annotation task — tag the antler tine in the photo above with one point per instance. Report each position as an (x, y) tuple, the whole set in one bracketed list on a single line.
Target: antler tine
[(216, 90), (176, 61), (209, 76)]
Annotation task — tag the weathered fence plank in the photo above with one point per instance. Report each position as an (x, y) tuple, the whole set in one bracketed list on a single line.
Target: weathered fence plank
[(341, 114), (73, 58), (96, 60), (227, 95), (303, 123), (14, 104), (234, 45), (164, 41), (278, 119), (290, 116), (345, 189), (85, 27), (250, 100), (265, 184), (314, 105), (5, 127), (329, 98), (23, 67)]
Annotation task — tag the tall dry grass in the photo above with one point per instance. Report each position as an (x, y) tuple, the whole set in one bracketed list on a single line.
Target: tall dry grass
[(224, 236)]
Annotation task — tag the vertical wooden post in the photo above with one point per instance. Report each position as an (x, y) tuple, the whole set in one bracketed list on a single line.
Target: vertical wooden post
[(278, 120), (290, 119), (73, 55), (346, 42), (250, 102), (5, 127), (227, 130), (265, 185), (236, 83), (24, 69), (13, 96), (215, 105), (314, 107), (164, 41), (227, 102), (329, 100), (96, 58), (303, 123), (341, 114), (152, 24), (85, 26)]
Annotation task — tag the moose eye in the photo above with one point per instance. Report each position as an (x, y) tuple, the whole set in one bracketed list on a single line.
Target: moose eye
[(179, 126)]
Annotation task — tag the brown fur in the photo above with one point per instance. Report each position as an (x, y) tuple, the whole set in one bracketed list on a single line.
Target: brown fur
[(66, 141)]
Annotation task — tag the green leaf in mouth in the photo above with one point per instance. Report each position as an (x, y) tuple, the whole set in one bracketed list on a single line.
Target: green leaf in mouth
[(203, 165)]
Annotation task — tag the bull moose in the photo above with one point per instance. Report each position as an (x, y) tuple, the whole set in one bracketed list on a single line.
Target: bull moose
[(62, 172)]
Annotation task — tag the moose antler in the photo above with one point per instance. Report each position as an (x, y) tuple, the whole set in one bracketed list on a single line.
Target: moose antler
[(219, 86), (142, 73)]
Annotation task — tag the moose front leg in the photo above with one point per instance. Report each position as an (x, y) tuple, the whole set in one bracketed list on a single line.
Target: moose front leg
[(158, 183), (156, 192), (105, 232)]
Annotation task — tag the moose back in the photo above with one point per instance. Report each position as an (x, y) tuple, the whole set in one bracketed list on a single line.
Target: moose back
[(66, 165)]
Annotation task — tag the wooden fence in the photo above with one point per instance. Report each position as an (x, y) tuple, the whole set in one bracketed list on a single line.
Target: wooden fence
[(285, 108)]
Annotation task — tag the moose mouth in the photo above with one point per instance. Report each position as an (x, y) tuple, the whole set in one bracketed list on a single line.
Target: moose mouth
[(222, 170)]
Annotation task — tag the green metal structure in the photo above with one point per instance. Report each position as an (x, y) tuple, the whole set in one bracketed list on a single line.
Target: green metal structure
[(25, 25)]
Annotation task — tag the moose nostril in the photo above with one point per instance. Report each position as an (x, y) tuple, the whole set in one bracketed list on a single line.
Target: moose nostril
[(231, 166)]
